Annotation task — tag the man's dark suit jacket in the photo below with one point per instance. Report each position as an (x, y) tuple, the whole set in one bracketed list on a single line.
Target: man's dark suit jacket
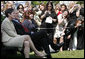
[(20, 28)]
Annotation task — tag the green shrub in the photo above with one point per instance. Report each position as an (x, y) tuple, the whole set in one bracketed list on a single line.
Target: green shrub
[(2, 18), (80, 2)]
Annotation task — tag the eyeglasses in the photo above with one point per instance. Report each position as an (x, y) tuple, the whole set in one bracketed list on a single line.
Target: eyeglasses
[(62, 7), (20, 8), (49, 6)]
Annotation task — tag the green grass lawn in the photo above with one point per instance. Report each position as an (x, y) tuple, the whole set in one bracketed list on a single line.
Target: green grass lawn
[(63, 54), (69, 54)]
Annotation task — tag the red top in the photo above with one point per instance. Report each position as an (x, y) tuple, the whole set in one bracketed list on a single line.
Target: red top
[(59, 13), (25, 29)]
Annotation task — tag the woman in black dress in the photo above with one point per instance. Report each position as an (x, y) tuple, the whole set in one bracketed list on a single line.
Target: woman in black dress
[(49, 21)]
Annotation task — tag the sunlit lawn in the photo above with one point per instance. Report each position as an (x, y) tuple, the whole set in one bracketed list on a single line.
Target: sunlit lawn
[(69, 54)]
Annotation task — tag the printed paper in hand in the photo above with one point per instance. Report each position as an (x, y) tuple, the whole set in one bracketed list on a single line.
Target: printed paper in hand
[(49, 20)]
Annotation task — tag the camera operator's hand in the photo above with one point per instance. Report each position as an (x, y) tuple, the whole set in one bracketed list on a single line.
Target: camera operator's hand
[(54, 20), (69, 36), (46, 12), (79, 7), (44, 15), (75, 5), (64, 16), (78, 24)]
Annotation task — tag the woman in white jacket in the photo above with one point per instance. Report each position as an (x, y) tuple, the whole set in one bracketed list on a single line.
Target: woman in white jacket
[(12, 39)]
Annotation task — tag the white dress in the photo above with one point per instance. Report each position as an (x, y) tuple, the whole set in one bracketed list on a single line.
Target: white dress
[(60, 27)]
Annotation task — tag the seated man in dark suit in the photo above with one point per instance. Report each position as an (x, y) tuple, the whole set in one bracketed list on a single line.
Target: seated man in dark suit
[(40, 38), (40, 42)]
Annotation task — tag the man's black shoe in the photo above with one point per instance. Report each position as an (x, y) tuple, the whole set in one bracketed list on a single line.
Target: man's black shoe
[(48, 56), (59, 45)]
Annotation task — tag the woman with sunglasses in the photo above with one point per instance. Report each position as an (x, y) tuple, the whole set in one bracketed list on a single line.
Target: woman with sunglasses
[(20, 8)]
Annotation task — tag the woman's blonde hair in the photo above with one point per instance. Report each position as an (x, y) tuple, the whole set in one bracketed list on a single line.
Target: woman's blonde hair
[(7, 5)]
